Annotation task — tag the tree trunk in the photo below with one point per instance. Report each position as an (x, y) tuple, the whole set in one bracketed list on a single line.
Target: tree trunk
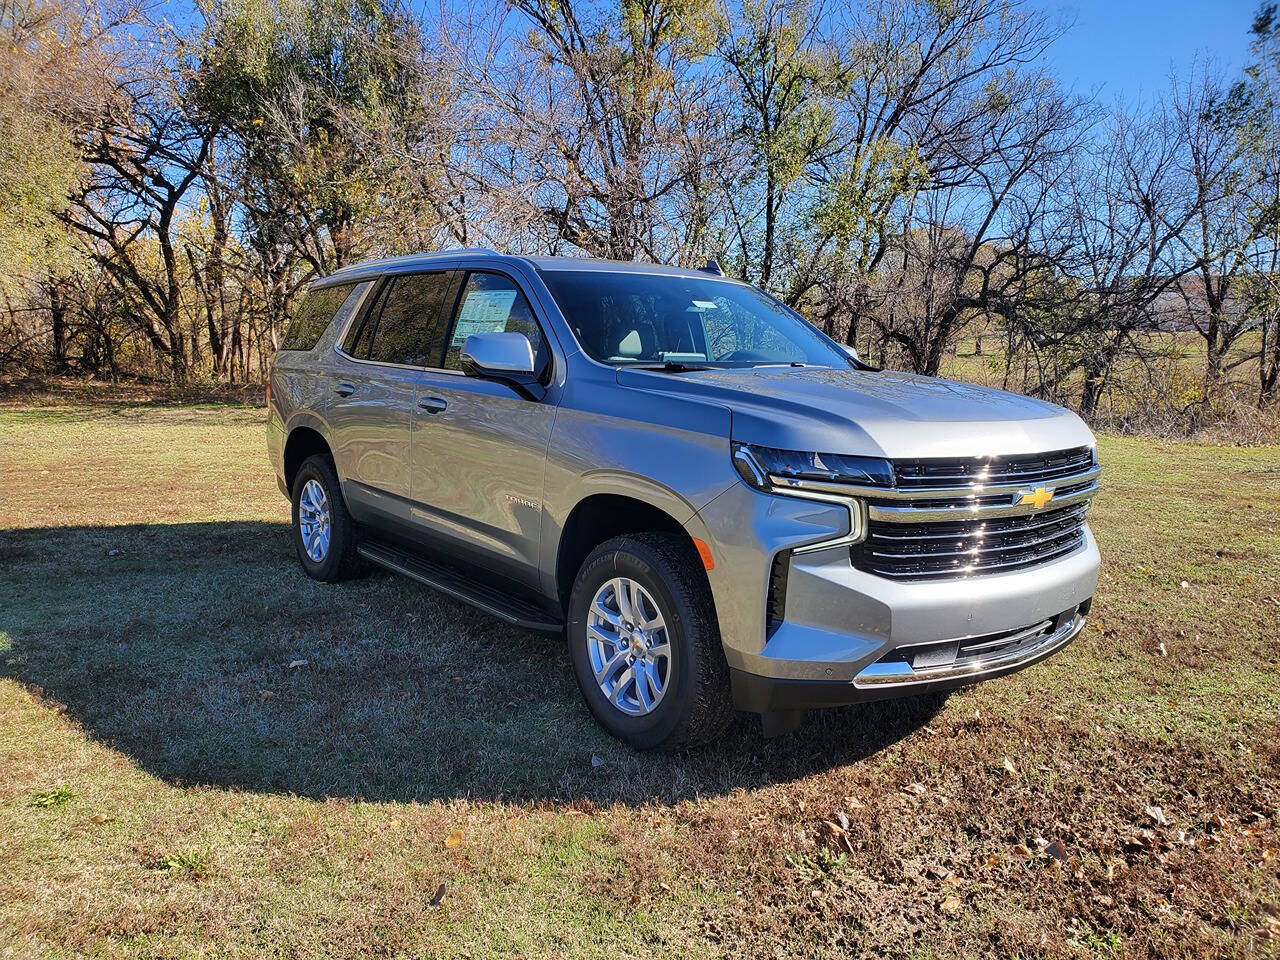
[(58, 320)]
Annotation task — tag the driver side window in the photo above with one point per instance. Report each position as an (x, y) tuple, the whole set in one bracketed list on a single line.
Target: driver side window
[(490, 303)]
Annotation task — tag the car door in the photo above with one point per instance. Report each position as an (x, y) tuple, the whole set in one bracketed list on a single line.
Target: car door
[(375, 390), (479, 447)]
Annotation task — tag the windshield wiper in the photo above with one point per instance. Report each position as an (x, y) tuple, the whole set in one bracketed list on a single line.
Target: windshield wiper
[(669, 366)]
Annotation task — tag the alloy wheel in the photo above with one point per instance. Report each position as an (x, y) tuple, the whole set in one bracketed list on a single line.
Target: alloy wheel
[(628, 646), (314, 520)]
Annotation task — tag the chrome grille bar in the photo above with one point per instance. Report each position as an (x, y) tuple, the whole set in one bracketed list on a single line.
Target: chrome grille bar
[(929, 526), (929, 493), (963, 529), (895, 513)]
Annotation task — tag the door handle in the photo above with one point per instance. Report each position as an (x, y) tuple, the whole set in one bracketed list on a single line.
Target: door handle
[(432, 404), (344, 389)]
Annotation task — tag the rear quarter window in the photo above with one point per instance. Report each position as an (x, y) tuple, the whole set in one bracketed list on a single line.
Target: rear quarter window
[(314, 314)]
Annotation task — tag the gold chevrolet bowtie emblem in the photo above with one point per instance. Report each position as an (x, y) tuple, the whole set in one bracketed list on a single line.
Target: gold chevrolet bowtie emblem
[(1037, 497)]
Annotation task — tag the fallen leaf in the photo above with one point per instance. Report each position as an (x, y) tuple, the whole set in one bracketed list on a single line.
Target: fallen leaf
[(916, 789), (951, 906), (439, 895), (1115, 866), (295, 664), (1056, 851), (596, 761), (1009, 768), (453, 840), (99, 818), (1163, 651), (1156, 814)]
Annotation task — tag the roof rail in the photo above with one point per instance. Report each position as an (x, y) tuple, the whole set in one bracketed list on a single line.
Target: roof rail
[(379, 263)]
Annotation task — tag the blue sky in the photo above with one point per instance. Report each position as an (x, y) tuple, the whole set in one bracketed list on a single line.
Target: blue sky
[(1125, 49), (1117, 49)]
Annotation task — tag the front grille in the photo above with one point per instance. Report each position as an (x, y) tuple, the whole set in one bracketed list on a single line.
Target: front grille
[(966, 547), (1030, 468), (959, 518)]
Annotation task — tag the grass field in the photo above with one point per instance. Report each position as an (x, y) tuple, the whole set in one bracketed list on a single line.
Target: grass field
[(202, 753)]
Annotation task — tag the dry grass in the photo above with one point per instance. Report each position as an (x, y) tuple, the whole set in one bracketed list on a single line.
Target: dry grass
[(427, 783)]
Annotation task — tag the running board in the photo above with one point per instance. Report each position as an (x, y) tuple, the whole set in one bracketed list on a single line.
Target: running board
[(516, 611)]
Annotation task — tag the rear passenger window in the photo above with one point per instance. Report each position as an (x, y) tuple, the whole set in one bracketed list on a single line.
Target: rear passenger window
[(409, 328), (493, 304), (314, 314)]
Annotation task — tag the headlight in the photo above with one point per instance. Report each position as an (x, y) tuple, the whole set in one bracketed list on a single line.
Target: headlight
[(757, 464)]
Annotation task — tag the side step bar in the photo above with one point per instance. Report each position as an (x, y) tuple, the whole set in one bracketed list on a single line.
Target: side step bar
[(515, 610)]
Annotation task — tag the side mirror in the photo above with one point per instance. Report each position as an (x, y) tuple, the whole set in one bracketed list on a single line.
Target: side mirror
[(504, 357), (497, 356)]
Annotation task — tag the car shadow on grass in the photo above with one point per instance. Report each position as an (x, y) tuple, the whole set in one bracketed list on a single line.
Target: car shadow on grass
[(201, 651)]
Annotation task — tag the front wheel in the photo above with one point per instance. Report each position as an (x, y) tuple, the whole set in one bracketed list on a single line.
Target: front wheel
[(645, 644)]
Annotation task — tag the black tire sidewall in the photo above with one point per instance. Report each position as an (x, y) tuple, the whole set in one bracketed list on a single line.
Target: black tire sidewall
[(633, 560), (332, 567)]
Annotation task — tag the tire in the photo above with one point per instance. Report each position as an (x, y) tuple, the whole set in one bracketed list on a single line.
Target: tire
[(695, 705), (338, 560)]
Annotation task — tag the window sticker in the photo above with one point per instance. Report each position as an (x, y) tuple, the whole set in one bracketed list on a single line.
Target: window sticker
[(484, 311)]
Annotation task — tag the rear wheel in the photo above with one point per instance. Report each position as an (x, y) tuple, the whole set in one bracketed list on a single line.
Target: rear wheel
[(645, 644), (323, 531)]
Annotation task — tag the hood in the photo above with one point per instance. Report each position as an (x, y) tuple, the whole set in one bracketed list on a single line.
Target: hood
[(894, 415)]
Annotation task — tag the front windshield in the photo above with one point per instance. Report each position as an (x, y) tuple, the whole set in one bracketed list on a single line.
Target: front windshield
[(637, 318)]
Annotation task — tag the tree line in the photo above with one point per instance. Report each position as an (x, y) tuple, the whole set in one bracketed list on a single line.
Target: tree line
[(906, 173)]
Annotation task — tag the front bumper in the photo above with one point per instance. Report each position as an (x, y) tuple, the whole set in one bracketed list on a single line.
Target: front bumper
[(888, 678), (845, 633)]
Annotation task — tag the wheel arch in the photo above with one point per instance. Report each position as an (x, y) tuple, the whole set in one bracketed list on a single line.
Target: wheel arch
[(305, 439), (602, 516)]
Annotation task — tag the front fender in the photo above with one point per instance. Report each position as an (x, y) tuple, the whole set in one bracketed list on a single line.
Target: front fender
[(674, 458)]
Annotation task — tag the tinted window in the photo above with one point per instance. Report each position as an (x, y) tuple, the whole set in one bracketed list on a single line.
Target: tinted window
[(493, 304), (357, 342), (409, 329), (317, 309), (650, 318)]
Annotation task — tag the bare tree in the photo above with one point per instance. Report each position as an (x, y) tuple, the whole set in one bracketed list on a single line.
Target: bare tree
[(969, 245), (1224, 231), (590, 125), (147, 152)]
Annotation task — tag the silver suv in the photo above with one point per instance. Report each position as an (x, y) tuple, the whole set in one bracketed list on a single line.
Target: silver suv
[(718, 505)]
